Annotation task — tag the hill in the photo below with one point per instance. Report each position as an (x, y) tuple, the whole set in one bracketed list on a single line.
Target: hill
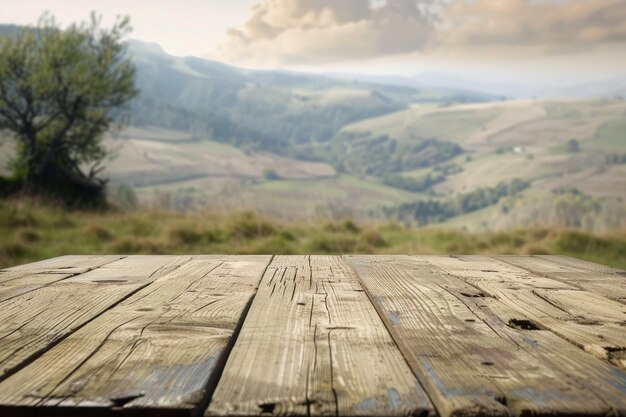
[(276, 111), (299, 146), (569, 151)]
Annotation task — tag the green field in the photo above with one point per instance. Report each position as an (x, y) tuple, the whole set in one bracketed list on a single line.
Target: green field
[(33, 230), (500, 141), (611, 135)]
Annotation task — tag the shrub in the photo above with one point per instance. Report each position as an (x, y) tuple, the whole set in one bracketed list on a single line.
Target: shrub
[(98, 232), (28, 236), (184, 235)]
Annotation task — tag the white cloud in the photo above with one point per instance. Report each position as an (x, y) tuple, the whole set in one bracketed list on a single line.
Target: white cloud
[(317, 31), (314, 32), (567, 24)]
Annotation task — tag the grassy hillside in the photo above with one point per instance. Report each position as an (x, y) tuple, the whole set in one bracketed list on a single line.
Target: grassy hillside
[(31, 231), (576, 146), (274, 111), (293, 145), (151, 156), (426, 153)]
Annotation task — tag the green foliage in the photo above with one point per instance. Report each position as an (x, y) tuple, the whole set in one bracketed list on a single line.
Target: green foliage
[(424, 211), (60, 91), (616, 159), (123, 196), (574, 209), (416, 185), (572, 146), (488, 196), (436, 211), (271, 174), (381, 155)]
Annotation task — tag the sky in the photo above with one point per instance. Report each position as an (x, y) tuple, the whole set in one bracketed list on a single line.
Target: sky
[(551, 40)]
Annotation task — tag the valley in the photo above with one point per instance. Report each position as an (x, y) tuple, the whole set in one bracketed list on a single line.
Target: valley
[(298, 146), (501, 141)]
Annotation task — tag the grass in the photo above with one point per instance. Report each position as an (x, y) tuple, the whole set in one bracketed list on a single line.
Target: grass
[(610, 136), (31, 230)]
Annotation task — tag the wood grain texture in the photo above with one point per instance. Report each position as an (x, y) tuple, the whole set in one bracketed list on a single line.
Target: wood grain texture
[(325, 335), (18, 286), (22, 279), (71, 264), (599, 279), (586, 378), (157, 350), (35, 321), (593, 322), (581, 263), (312, 344), (466, 366)]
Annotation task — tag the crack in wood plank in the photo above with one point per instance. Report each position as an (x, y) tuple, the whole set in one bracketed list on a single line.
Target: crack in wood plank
[(586, 319), (323, 351), (466, 366), (156, 350)]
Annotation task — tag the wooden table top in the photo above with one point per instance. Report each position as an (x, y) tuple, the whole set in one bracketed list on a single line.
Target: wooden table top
[(313, 335)]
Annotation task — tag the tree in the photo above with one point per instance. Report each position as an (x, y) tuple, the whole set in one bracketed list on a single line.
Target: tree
[(60, 91), (573, 146)]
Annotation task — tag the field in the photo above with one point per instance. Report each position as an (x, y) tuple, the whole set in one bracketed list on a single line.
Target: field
[(529, 140), (33, 230), (554, 145), (175, 171), (523, 139)]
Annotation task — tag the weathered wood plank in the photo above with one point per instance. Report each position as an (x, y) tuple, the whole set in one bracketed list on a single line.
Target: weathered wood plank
[(467, 366), (71, 264), (580, 263), (157, 350), (36, 320), (590, 321), (19, 286), (313, 344), (600, 279), (25, 278), (558, 358)]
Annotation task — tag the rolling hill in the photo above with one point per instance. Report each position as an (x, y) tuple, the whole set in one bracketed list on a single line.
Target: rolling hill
[(278, 111), (296, 145)]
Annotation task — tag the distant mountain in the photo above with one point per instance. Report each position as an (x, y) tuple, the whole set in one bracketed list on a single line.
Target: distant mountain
[(280, 111), (491, 89), (466, 82), (9, 29), (610, 88), (455, 89)]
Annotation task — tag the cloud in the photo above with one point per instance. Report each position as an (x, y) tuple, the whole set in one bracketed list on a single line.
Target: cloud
[(550, 25), (314, 32), (319, 31)]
